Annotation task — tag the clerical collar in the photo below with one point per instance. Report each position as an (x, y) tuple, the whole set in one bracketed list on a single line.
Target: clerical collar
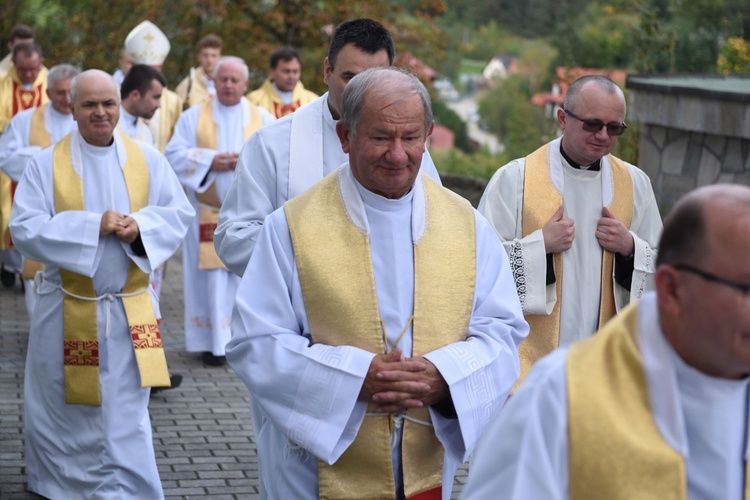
[(594, 167), (130, 118), (286, 97)]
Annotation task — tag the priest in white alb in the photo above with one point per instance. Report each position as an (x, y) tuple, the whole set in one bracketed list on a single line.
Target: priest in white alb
[(101, 211), (384, 336), (31, 131), (287, 158), (140, 94), (580, 225), (203, 152), (657, 403)]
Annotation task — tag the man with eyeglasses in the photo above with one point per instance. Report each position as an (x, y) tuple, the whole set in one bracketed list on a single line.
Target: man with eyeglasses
[(655, 405), (580, 225)]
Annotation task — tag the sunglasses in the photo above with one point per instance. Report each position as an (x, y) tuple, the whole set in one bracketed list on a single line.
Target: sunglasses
[(596, 125)]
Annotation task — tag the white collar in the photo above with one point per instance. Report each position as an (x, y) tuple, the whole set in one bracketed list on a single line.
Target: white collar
[(558, 176), (75, 151), (355, 207), (661, 378)]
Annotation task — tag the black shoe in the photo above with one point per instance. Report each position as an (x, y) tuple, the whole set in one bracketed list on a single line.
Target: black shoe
[(175, 379), (209, 359), (7, 278)]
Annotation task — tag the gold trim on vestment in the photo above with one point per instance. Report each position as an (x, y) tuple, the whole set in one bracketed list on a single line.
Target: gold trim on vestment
[(541, 199), (38, 136), (81, 333), (338, 286), (207, 136), (615, 448)]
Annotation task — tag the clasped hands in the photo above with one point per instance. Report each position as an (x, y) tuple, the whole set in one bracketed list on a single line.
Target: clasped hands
[(123, 226), (396, 383), (611, 234), (224, 162)]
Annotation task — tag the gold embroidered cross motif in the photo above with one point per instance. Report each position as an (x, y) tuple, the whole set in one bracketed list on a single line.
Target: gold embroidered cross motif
[(145, 336), (81, 352)]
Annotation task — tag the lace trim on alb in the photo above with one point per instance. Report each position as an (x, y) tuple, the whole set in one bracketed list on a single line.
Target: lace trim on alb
[(515, 252)]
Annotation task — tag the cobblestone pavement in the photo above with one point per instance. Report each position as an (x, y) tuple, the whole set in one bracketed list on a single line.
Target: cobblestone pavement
[(202, 432)]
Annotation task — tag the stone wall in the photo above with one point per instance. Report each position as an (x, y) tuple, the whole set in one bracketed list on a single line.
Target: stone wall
[(470, 188), (691, 136)]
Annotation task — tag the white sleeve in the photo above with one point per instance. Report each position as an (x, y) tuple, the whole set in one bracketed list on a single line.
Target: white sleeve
[(14, 151), (316, 406), (481, 371), (191, 163), (164, 222), (646, 229), (251, 197), (68, 240), (524, 453), (502, 206)]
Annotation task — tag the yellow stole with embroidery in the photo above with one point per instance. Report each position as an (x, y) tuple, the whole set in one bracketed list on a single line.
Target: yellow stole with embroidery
[(16, 99), (207, 136), (38, 136), (616, 450), (81, 332), (541, 199), (338, 285)]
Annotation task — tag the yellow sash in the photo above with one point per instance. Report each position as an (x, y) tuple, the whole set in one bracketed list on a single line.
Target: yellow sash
[(207, 136), (81, 333), (38, 136), (338, 285), (616, 450), (541, 200)]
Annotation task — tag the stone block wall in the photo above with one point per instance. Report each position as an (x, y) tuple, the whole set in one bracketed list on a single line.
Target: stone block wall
[(694, 132)]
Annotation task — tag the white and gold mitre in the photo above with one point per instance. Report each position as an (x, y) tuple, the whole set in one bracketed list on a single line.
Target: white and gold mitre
[(147, 44)]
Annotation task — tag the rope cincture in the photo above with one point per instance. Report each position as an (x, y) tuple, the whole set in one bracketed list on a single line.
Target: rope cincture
[(108, 297)]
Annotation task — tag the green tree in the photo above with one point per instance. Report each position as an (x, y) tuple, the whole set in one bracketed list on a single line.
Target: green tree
[(734, 57)]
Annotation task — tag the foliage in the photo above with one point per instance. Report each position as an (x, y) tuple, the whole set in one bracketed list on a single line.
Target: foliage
[(448, 118), (521, 126), (734, 57), (477, 164), (91, 33)]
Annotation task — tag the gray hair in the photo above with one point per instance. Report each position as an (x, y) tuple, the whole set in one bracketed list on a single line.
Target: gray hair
[(602, 82), (386, 80), (61, 72), (74, 83), (234, 59)]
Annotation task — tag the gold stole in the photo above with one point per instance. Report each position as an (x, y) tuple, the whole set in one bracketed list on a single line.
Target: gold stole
[(338, 285), (207, 136), (541, 199), (81, 332), (616, 450), (38, 136), (21, 100)]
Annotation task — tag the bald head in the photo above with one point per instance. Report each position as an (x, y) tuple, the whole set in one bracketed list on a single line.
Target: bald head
[(95, 102), (699, 219)]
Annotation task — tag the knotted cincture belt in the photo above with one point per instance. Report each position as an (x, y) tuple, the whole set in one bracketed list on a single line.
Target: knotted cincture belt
[(81, 332)]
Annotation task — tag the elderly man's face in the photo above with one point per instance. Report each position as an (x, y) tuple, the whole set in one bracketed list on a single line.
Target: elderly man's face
[(28, 67), (714, 316), (96, 108), (385, 151), (59, 95), (231, 83), (349, 63), (593, 103)]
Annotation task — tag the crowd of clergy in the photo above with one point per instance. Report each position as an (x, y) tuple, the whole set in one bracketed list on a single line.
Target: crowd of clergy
[(561, 338)]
